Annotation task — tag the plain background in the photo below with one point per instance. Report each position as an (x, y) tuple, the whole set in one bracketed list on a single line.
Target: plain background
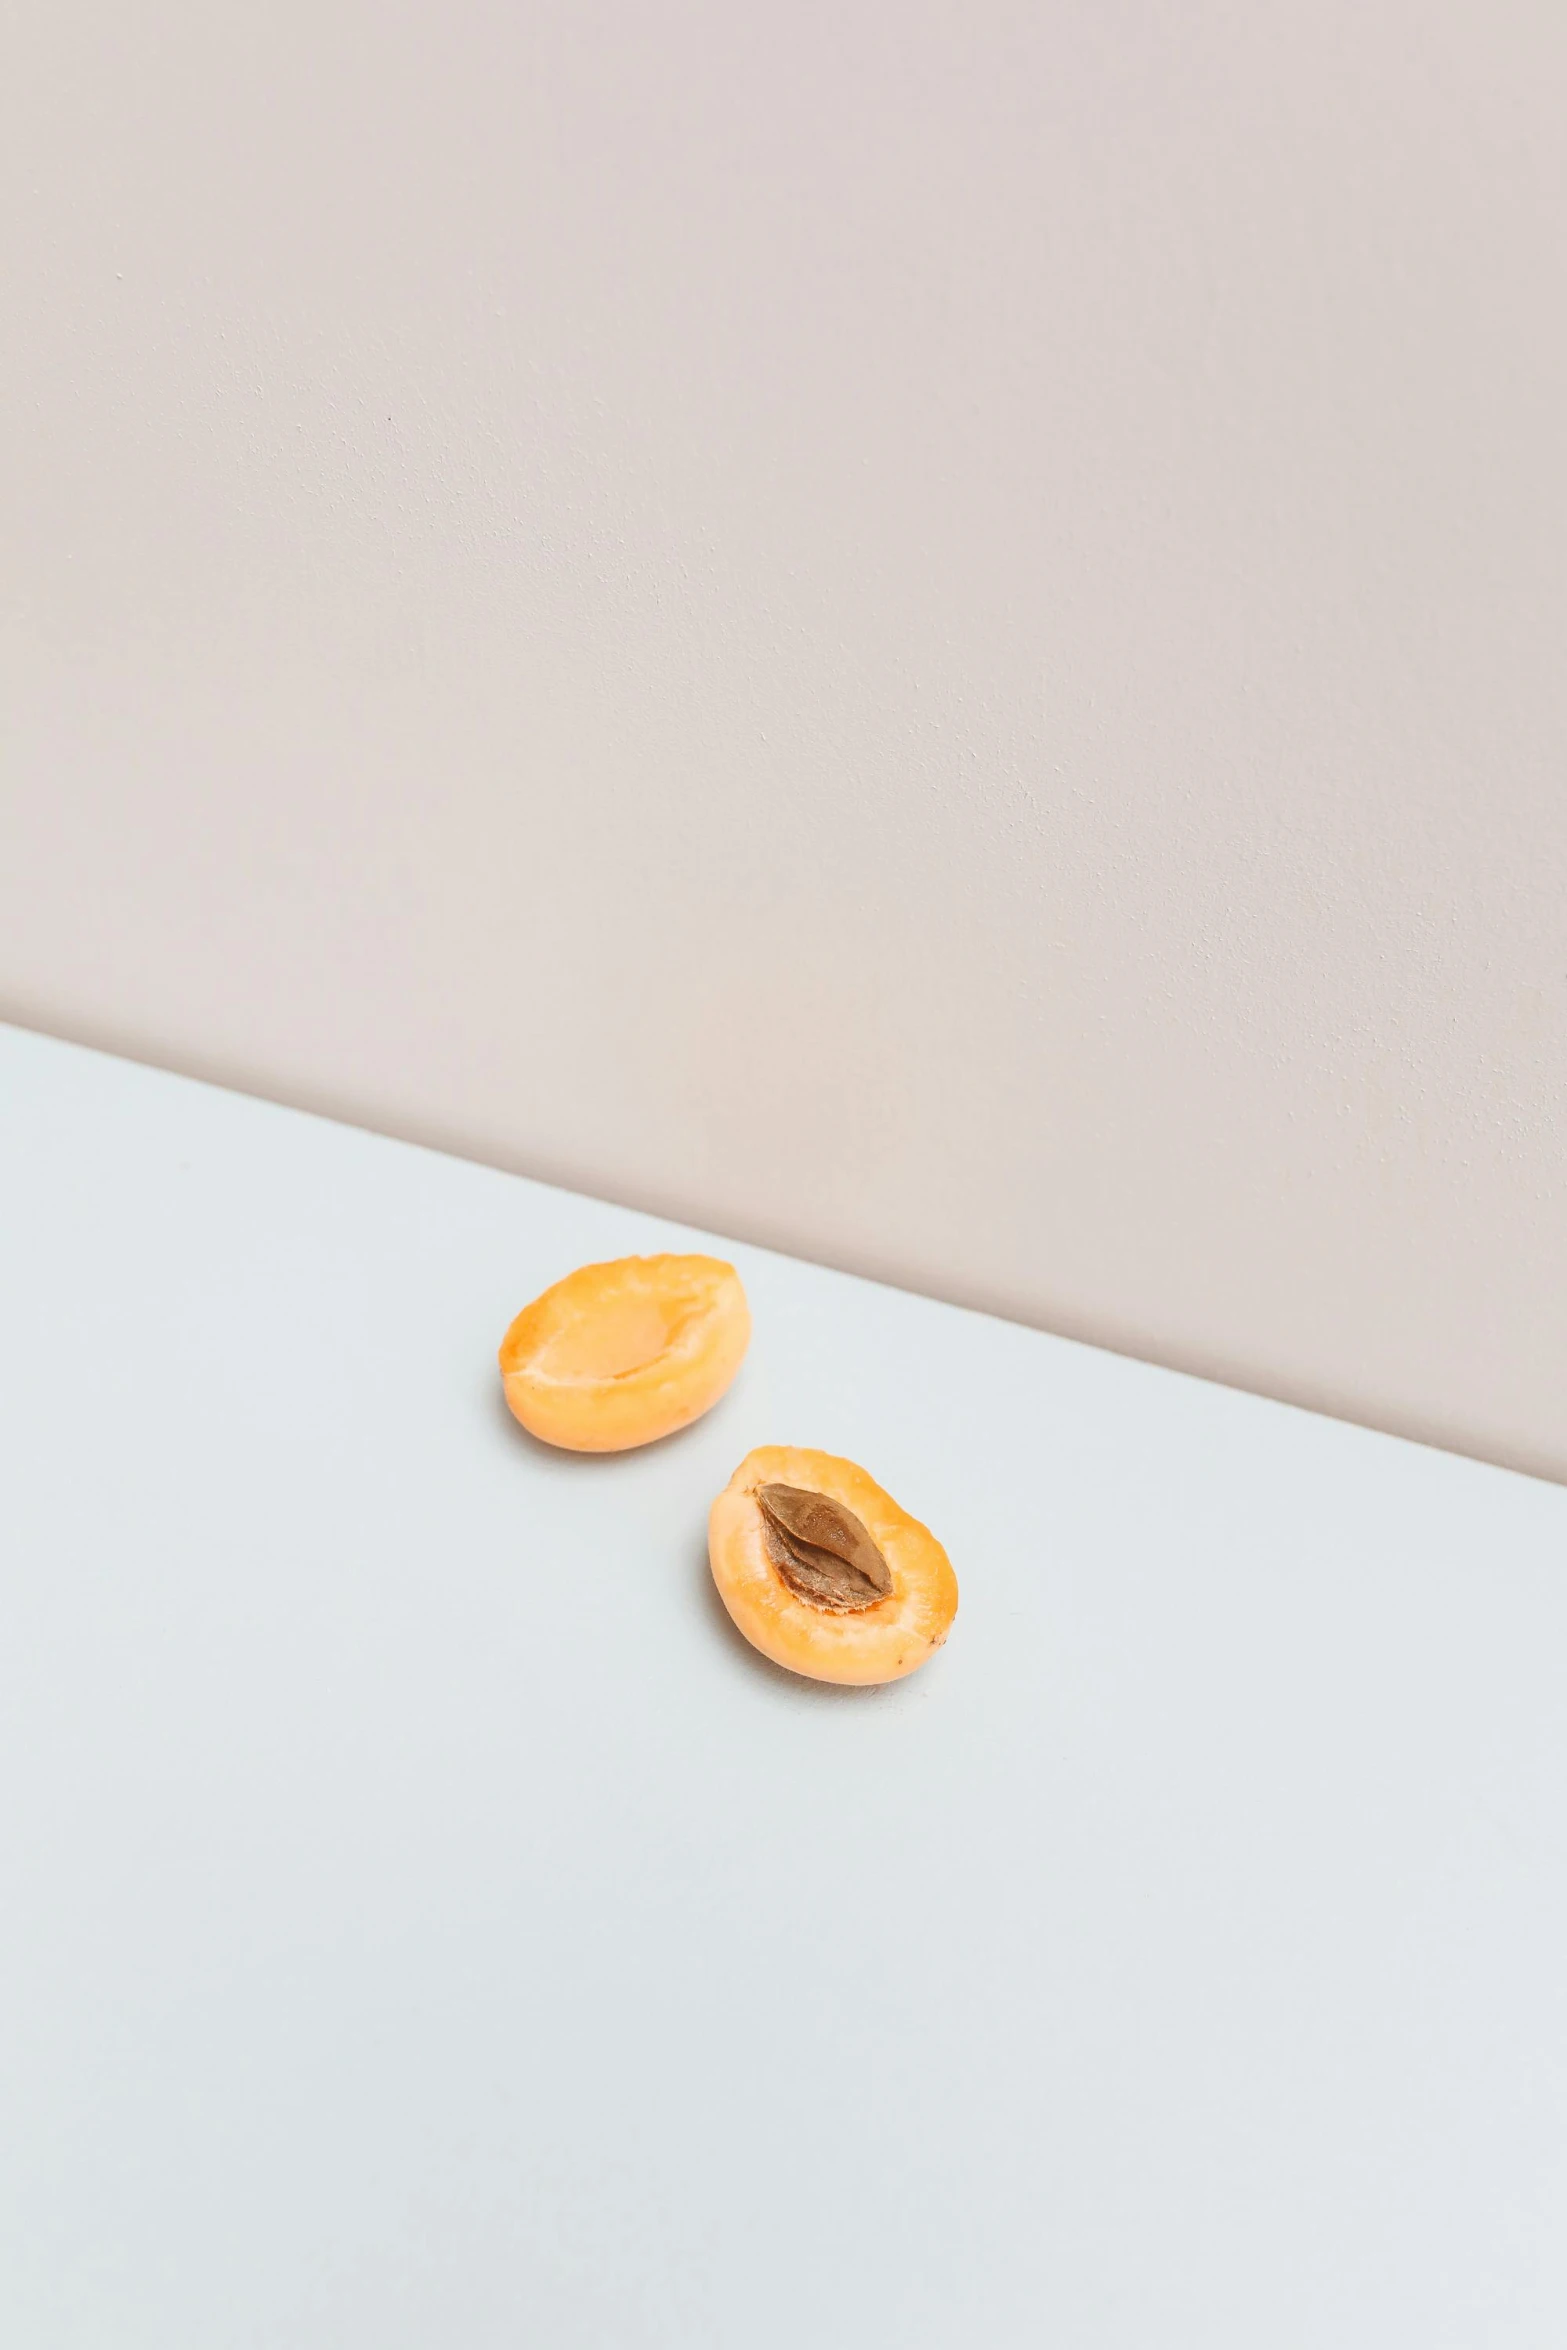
[(930, 634), (425, 1922)]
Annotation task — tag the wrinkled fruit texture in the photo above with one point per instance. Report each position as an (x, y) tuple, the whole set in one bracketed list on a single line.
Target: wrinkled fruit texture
[(621, 1354), (877, 1642)]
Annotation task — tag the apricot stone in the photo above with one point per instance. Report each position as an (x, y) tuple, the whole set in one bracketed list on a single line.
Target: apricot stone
[(823, 1572), (621, 1354)]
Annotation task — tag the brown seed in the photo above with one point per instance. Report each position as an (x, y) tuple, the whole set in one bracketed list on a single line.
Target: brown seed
[(822, 1550)]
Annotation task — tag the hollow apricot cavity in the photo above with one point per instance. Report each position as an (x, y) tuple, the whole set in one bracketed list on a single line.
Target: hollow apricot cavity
[(823, 1572), (621, 1354)]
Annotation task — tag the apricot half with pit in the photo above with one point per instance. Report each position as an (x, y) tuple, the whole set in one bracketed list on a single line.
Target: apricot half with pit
[(621, 1354), (823, 1572)]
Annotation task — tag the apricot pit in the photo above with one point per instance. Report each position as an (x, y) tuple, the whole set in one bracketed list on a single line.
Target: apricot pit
[(824, 1573), (620, 1354)]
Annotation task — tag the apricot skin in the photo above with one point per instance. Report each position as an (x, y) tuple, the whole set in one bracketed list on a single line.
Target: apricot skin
[(621, 1354), (879, 1643)]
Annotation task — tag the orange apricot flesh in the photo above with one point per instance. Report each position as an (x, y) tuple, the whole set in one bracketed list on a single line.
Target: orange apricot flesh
[(621, 1354), (878, 1642)]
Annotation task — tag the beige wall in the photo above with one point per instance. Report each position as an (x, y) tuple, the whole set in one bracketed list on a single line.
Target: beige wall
[(931, 634)]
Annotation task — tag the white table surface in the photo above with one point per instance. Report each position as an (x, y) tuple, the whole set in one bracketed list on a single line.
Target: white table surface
[(423, 1921)]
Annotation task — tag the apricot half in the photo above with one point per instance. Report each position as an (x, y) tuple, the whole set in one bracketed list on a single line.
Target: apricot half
[(621, 1354), (823, 1572)]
